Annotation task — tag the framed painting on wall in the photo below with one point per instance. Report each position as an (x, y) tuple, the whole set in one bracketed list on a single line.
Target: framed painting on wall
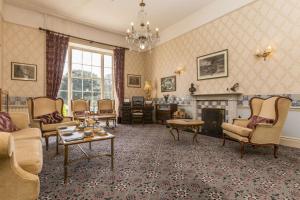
[(23, 72), (168, 84), (214, 65), (134, 80)]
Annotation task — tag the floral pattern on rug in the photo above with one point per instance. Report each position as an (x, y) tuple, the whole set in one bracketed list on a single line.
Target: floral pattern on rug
[(149, 164)]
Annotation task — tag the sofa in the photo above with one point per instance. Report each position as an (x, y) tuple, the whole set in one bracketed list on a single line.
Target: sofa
[(21, 160)]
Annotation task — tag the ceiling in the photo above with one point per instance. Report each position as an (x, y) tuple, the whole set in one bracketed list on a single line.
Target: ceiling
[(115, 15)]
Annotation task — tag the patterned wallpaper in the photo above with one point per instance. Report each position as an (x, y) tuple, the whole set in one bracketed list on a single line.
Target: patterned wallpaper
[(1, 43), (262, 23), (134, 64), (25, 45)]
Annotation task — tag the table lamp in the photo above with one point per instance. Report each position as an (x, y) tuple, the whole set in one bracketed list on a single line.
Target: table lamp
[(148, 89)]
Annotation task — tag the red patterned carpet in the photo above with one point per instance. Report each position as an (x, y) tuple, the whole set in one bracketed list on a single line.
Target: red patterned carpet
[(149, 164)]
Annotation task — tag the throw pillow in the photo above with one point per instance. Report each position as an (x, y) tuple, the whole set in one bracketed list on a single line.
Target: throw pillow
[(51, 118), (257, 119), (6, 124)]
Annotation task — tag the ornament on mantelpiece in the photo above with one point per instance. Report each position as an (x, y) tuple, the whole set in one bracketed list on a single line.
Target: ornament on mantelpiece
[(233, 88), (166, 97), (192, 89)]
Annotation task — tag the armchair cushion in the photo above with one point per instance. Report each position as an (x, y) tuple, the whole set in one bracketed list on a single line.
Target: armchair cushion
[(6, 123), (53, 127), (28, 133), (51, 118), (258, 120), (241, 131)]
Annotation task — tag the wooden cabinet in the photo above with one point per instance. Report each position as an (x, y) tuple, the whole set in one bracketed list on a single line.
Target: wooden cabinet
[(165, 112), (148, 114), (126, 113)]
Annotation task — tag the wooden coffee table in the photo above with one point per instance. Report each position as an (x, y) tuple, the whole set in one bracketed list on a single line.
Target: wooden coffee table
[(63, 141), (182, 124)]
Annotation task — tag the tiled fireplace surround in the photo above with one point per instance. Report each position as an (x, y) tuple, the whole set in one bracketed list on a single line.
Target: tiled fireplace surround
[(227, 101)]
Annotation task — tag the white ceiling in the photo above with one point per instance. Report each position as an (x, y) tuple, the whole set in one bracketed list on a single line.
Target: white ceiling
[(115, 15)]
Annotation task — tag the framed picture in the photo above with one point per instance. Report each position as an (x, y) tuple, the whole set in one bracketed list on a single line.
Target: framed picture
[(134, 80), (23, 72), (168, 84), (214, 65)]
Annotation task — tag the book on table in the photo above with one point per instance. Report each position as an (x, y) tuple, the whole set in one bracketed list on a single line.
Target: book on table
[(69, 137)]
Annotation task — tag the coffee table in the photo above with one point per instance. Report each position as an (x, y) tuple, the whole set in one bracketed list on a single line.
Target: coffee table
[(104, 117), (182, 124), (62, 140)]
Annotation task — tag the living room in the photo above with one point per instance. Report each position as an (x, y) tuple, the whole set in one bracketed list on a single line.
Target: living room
[(181, 99)]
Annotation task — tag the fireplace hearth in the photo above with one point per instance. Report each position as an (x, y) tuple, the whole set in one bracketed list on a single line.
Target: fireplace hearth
[(213, 118)]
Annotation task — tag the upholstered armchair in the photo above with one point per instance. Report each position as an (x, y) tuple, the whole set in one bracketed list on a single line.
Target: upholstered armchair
[(106, 109), (79, 108), (273, 110), (40, 106)]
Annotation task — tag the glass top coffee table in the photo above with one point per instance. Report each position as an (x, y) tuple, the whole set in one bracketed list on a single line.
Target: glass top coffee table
[(68, 136)]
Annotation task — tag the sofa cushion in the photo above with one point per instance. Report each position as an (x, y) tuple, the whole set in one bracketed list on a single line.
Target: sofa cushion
[(29, 155), (53, 127), (257, 119), (6, 123), (241, 131), (51, 118), (28, 133)]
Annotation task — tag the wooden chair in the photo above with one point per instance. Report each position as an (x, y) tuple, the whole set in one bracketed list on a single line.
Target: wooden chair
[(137, 110), (106, 109), (80, 108)]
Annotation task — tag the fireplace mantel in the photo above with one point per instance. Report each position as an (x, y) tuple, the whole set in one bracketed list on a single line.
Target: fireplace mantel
[(229, 96)]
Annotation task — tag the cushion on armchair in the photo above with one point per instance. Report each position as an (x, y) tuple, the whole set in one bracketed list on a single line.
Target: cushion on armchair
[(6, 123), (258, 119), (51, 118)]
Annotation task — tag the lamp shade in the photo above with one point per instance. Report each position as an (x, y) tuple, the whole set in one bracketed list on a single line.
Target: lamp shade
[(147, 86)]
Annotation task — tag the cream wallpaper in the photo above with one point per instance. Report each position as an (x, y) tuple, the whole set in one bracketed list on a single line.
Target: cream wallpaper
[(262, 23), (1, 44), (25, 45), (134, 64)]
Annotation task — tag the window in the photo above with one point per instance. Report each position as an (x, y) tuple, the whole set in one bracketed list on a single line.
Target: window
[(87, 75)]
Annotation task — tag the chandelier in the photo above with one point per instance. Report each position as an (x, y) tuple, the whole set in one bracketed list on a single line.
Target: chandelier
[(142, 38)]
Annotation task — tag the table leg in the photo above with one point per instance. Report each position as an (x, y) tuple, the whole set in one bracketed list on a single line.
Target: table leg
[(90, 145), (112, 153), (66, 163), (107, 123), (172, 133), (196, 134), (177, 134)]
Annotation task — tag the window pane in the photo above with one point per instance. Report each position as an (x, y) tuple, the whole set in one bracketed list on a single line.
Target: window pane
[(77, 84), (87, 85), (87, 58), (87, 95), (107, 89), (96, 59), (77, 95), (63, 95), (96, 85), (107, 61), (64, 82), (76, 56), (87, 71), (107, 73), (76, 70), (96, 72)]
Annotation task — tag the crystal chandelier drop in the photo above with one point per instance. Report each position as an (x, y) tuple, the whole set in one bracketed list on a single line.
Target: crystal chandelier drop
[(142, 38)]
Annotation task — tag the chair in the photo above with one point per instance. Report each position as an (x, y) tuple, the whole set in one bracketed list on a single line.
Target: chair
[(137, 110), (106, 109), (21, 160), (79, 108), (40, 106), (275, 109)]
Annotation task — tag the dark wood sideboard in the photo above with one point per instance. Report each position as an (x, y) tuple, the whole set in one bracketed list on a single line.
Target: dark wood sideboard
[(165, 112)]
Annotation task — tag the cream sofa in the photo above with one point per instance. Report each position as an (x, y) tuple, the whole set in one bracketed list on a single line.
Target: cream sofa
[(21, 160)]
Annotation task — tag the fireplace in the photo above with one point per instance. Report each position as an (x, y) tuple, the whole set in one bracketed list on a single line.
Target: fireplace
[(213, 118)]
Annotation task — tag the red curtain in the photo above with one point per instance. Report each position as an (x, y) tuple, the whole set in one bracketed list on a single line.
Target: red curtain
[(56, 50), (119, 62)]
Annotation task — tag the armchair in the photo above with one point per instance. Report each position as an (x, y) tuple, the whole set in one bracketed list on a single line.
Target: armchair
[(275, 109), (79, 108), (40, 106), (106, 109)]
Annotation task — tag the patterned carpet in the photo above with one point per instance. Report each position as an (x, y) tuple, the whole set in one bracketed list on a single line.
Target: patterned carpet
[(149, 164)]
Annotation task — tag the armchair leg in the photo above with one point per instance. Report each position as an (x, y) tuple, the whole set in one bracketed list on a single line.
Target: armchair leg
[(224, 139), (47, 142), (242, 149), (275, 151)]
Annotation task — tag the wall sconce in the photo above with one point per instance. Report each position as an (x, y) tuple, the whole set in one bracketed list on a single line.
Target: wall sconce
[(179, 70), (265, 53)]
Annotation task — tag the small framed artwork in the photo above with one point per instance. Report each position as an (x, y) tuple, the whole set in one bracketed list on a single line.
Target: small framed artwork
[(168, 84), (23, 72), (214, 65), (134, 80)]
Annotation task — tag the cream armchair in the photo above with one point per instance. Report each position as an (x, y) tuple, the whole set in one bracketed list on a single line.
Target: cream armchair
[(79, 107), (274, 108), (106, 107), (21, 160), (40, 106)]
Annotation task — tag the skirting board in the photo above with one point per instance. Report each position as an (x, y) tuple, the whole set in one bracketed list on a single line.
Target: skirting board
[(290, 141)]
